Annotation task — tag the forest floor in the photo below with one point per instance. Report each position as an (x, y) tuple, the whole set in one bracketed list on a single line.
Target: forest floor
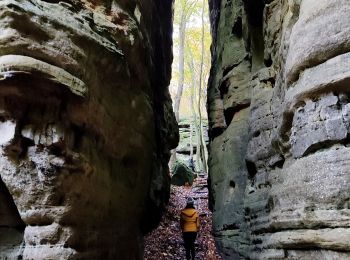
[(166, 242)]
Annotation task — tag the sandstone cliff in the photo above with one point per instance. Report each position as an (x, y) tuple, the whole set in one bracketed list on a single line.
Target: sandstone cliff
[(86, 126), (278, 103)]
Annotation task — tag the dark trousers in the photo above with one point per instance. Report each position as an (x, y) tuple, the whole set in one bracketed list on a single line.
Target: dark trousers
[(189, 238)]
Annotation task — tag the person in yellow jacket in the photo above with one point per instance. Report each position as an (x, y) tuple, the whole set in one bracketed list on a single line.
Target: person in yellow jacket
[(189, 222)]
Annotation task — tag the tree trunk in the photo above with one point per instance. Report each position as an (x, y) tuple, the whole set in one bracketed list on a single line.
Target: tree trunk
[(191, 142), (194, 113), (201, 147), (182, 36)]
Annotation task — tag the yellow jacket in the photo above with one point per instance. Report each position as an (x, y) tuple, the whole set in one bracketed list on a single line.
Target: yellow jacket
[(189, 220)]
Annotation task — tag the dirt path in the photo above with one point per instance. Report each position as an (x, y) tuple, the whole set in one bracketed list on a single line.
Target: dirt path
[(166, 241)]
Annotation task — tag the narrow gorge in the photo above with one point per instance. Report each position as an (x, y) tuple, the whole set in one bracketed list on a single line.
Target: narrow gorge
[(87, 126)]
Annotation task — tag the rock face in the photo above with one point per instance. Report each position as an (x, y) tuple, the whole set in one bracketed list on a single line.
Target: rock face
[(182, 174), (86, 126), (279, 106), (183, 151)]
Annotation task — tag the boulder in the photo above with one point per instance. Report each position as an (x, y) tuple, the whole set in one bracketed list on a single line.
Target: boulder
[(182, 175)]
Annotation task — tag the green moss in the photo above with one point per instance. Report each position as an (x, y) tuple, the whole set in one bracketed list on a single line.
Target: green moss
[(182, 174)]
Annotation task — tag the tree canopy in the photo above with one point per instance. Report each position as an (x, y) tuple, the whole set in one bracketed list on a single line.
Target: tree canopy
[(192, 53)]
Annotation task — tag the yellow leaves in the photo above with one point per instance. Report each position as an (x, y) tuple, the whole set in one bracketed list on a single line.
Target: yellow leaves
[(192, 52)]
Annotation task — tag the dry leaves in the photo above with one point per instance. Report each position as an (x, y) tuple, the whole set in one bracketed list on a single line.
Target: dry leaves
[(166, 242)]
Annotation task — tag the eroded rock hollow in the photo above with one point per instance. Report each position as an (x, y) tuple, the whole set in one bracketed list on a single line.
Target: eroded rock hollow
[(279, 104), (86, 126)]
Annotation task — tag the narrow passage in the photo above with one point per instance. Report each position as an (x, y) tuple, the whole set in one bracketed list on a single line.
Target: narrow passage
[(166, 242)]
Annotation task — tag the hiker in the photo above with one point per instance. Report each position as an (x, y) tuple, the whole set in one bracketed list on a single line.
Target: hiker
[(189, 222), (191, 164)]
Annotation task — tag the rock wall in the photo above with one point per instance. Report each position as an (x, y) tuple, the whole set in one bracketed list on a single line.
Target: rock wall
[(183, 151), (86, 126), (278, 104)]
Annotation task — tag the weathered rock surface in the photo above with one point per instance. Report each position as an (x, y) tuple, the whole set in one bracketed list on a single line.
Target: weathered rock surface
[(188, 137), (182, 174), (86, 126), (278, 102)]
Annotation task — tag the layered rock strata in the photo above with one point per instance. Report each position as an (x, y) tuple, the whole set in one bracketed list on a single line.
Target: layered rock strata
[(86, 126), (278, 104), (189, 141)]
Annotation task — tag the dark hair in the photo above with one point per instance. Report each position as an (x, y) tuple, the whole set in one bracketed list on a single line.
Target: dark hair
[(190, 206)]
